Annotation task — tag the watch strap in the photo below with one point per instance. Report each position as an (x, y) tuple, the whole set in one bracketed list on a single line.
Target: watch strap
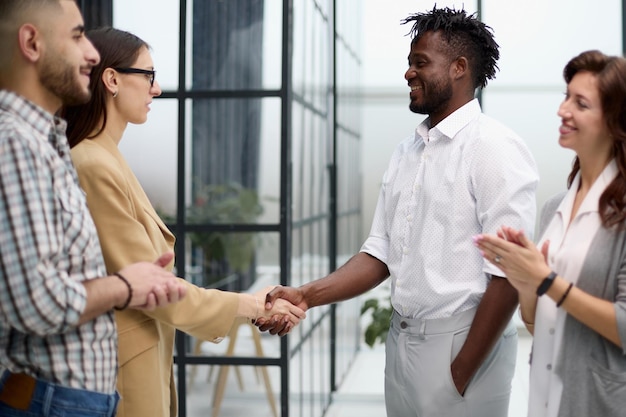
[(546, 283)]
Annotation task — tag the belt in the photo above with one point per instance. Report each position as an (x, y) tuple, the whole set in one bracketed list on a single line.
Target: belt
[(18, 390)]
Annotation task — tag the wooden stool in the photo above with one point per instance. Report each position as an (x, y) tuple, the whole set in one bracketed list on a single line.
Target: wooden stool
[(220, 386), (223, 374)]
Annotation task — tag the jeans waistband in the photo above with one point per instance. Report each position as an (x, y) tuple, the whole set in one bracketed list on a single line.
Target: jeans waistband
[(50, 396), (433, 326)]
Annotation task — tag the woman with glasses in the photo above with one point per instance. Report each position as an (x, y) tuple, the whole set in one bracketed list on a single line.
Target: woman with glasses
[(123, 85)]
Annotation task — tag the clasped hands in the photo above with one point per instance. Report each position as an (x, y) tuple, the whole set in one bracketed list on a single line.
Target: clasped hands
[(150, 285)]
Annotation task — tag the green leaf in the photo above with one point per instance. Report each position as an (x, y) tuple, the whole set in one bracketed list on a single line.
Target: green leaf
[(381, 318)]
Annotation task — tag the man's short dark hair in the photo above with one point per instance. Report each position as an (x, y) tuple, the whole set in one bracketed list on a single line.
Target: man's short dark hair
[(466, 36)]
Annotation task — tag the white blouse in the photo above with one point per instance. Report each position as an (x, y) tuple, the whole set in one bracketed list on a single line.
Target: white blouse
[(567, 252)]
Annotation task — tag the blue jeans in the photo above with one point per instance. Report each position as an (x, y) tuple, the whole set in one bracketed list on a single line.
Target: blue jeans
[(51, 400)]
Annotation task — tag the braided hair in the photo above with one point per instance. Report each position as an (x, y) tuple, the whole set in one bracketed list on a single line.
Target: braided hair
[(466, 36)]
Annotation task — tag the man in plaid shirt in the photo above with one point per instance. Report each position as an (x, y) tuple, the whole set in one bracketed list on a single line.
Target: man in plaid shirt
[(58, 342)]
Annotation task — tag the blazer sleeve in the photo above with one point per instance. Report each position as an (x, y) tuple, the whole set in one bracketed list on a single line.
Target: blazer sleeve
[(203, 313)]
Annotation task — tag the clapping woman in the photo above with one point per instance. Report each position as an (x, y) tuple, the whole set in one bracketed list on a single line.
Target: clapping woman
[(572, 286)]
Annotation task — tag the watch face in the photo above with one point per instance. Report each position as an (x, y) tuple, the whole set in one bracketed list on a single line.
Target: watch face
[(546, 283)]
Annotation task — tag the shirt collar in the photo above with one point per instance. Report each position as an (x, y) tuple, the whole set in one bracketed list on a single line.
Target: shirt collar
[(452, 124), (35, 116), (591, 203)]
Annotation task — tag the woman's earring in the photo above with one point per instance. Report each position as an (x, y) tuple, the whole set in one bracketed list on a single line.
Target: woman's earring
[(115, 94)]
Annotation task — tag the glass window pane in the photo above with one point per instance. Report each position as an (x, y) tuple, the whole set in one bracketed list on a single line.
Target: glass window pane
[(312, 61), (309, 373), (233, 153), (158, 26), (233, 261), (235, 45)]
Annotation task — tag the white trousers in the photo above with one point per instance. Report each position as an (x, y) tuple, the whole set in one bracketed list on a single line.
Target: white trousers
[(418, 382)]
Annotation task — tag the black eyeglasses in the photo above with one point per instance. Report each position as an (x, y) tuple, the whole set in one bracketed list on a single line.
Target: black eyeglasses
[(151, 73)]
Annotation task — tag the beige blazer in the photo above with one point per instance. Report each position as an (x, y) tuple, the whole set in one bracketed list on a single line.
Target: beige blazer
[(130, 231)]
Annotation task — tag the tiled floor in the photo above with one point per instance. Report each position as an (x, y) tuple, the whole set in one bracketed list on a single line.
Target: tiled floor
[(361, 394)]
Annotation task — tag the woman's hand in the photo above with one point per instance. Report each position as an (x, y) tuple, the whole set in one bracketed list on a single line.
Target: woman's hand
[(511, 251)]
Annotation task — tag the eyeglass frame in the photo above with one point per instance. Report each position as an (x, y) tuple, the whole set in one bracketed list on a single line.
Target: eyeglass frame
[(130, 70)]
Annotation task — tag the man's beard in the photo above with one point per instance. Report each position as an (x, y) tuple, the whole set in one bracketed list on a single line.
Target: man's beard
[(437, 98), (61, 79)]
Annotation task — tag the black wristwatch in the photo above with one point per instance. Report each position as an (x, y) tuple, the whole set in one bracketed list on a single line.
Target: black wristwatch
[(546, 283)]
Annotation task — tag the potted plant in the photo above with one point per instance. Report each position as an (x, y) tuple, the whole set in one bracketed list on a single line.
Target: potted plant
[(229, 203), (380, 314), (221, 254)]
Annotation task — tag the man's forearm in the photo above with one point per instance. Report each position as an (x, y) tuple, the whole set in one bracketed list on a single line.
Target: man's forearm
[(102, 295), (492, 316), (360, 274)]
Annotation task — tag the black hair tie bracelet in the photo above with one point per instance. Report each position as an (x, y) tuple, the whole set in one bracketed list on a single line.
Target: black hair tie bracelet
[(130, 291)]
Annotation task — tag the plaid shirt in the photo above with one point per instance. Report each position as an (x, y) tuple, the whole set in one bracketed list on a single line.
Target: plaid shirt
[(48, 245)]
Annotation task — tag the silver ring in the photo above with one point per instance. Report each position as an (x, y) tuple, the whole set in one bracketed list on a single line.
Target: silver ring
[(497, 259)]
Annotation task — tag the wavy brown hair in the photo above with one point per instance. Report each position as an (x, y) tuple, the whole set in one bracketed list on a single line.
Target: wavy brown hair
[(117, 48), (610, 72)]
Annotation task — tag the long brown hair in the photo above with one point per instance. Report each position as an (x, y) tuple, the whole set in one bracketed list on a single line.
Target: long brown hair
[(117, 48), (610, 72)]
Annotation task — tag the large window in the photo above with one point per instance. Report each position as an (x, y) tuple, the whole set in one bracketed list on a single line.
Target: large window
[(251, 155)]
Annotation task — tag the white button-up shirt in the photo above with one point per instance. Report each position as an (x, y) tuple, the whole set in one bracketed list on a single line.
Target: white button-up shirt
[(567, 252), (467, 175)]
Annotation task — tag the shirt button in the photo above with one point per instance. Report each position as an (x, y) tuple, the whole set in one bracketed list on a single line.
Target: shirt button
[(403, 325), (549, 367), (551, 331)]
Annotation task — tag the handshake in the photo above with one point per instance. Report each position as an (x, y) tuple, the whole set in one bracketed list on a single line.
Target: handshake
[(145, 286), (283, 308)]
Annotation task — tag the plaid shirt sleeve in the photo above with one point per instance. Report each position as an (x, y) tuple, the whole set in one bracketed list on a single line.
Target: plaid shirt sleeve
[(36, 295)]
